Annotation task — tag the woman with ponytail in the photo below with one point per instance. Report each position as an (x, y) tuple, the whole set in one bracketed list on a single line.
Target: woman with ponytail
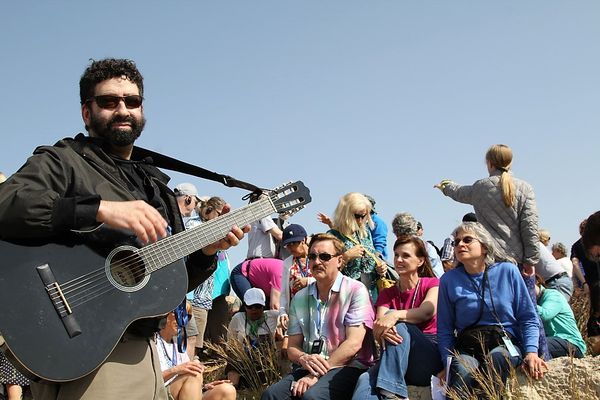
[(506, 207)]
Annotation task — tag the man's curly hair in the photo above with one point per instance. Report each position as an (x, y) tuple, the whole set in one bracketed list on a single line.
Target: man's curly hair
[(101, 70)]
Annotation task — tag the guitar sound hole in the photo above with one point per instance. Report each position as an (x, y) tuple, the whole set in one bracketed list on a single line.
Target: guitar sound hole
[(127, 268)]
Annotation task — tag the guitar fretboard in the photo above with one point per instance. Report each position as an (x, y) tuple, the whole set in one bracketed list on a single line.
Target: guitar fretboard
[(168, 250)]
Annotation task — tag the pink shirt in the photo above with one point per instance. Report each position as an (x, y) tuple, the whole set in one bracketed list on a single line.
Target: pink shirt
[(265, 273), (392, 298)]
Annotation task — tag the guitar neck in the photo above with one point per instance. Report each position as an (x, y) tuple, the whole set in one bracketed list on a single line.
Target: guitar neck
[(170, 249)]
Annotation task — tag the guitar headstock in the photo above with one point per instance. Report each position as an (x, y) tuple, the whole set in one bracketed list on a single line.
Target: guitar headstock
[(290, 197)]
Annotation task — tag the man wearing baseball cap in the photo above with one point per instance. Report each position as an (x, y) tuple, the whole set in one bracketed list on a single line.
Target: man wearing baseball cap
[(254, 325), (187, 198)]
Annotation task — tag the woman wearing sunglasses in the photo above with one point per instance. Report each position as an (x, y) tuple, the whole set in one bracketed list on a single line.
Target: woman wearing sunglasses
[(485, 300), (405, 326), (506, 207), (351, 220)]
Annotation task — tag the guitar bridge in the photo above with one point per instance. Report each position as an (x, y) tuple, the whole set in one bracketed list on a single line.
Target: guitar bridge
[(59, 301)]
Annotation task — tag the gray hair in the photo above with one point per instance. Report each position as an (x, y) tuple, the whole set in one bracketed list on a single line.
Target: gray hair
[(560, 248), (404, 224), (494, 253)]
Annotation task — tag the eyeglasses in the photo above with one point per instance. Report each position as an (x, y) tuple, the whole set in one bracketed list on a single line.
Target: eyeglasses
[(322, 256), (360, 216), (255, 307), (110, 102), (465, 240)]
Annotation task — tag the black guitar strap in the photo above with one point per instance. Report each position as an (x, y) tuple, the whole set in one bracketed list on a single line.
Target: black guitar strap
[(170, 163)]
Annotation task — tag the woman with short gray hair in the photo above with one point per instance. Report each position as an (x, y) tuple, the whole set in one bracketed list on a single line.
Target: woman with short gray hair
[(485, 300)]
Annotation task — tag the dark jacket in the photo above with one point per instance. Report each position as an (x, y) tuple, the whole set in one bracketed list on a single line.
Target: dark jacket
[(59, 190)]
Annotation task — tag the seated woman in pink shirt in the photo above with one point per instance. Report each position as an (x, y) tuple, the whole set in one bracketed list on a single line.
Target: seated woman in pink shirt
[(405, 327)]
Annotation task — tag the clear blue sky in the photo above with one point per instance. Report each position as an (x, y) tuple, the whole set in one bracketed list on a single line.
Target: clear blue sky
[(381, 97)]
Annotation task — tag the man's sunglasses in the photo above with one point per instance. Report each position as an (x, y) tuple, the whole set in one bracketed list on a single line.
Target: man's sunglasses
[(110, 102), (322, 256)]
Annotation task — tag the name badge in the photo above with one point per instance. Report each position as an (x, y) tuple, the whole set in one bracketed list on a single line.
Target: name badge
[(512, 350)]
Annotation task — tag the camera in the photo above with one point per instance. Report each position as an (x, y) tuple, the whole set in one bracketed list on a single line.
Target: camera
[(317, 346)]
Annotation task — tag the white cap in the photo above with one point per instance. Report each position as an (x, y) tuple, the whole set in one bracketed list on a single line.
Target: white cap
[(254, 296), (186, 189)]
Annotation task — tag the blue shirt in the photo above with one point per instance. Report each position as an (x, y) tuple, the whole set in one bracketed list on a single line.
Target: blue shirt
[(379, 235), (459, 306)]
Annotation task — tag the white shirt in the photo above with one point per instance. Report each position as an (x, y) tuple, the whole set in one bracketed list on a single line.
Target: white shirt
[(567, 265), (260, 242), (165, 355), (239, 328), (547, 267)]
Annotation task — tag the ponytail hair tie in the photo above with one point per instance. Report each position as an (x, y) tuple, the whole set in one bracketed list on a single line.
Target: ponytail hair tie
[(502, 169)]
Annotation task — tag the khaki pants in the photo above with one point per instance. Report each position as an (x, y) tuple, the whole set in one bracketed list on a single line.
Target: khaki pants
[(132, 371), (201, 316)]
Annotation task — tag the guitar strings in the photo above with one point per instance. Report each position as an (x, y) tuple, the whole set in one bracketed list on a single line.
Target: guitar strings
[(149, 250), (138, 269), (100, 287), (103, 289), (105, 286), (153, 256)]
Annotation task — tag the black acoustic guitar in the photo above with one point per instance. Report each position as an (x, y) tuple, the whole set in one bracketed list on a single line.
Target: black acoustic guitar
[(65, 306)]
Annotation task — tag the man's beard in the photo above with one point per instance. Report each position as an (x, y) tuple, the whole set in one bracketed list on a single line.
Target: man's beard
[(118, 136)]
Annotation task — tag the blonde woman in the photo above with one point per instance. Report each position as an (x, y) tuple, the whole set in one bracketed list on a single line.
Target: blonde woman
[(351, 221), (506, 207)]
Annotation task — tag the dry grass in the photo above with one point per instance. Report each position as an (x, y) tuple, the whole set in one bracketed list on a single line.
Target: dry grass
[(490, 384), (259, 366), (580, 303)]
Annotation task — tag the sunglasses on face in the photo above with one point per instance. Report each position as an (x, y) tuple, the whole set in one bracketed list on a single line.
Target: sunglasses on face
[(465, 240), (322, 256), (110, 102), (360, 216)]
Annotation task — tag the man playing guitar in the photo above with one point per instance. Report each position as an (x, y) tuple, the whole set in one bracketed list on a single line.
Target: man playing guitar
[(87, 181)]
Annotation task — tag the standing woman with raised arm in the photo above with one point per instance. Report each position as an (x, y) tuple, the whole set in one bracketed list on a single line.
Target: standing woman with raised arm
[(506, 207)]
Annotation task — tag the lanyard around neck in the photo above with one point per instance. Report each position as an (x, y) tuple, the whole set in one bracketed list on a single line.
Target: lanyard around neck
[(172, 361), (302, 269), (321, 311), (480, 293)]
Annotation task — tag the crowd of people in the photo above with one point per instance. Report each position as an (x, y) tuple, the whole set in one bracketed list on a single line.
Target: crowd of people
[(350, 322)]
